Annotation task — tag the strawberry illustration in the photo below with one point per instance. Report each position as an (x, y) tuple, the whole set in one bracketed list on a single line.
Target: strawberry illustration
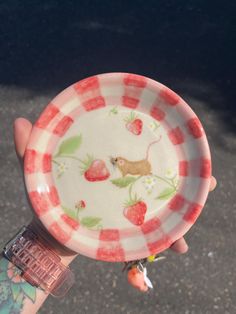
[(135, 211), (81, 204), (94, 169), (134, 124)]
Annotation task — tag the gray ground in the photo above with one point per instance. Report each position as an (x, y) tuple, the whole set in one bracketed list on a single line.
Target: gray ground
[(203, 280)]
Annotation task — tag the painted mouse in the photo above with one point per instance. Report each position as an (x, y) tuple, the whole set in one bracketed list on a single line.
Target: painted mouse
[(140, 167)]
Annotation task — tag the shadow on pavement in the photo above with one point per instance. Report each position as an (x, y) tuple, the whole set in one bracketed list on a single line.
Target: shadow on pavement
[(49, 46)]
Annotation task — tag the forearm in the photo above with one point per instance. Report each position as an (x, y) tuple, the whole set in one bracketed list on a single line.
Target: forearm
[(16, 295), (19, 296)]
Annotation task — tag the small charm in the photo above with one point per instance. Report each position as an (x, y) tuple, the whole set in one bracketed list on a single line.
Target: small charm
[(138, 279), (155, 258), (137, 272)]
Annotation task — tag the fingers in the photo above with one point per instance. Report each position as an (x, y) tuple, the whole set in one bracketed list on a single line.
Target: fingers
[(180, 246), (213, 184), (22, 130)]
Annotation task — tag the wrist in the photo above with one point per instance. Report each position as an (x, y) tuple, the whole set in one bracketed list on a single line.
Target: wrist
[(66, 255), (41, 259)]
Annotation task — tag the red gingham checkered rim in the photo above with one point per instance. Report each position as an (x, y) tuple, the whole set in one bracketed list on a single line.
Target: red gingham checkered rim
[(185, 132)]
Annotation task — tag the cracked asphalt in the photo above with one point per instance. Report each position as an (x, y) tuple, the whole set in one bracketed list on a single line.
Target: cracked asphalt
[(188, 46)]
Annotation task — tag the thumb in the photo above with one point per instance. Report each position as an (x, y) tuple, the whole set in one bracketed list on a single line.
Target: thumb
[(22, 130)]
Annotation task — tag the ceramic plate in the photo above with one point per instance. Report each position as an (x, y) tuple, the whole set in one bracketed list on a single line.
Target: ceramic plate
[(117, 167)]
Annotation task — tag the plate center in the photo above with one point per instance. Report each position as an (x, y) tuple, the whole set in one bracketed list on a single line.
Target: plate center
[(115, 168)]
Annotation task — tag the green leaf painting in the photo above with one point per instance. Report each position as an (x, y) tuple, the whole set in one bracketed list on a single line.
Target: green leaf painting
[(123, 182), (28, 291), (90, 222), (70, 145), (87, 221), (113, 110), (15, 289), (20, 298), (166, 193), (70, 212)]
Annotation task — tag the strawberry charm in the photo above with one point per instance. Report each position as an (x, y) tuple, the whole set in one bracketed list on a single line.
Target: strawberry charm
[(94, 169), (137, 272), (134, 124), (135, 211), (137, 277)]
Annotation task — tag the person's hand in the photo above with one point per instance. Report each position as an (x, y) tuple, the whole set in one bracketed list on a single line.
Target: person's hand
[(22, 131), (181, 246)]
